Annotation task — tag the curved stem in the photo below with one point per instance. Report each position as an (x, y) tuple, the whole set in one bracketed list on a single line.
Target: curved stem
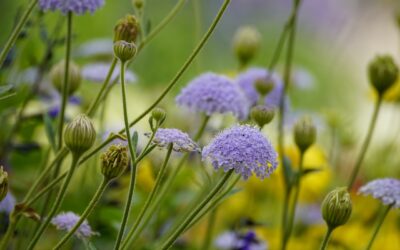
[(133, 157), (57, 203), (278, 49), (149, 199), (366, 142), (378, 225), (86, 213), (195, 212), (16, 32), (326, 238), (65, 88)]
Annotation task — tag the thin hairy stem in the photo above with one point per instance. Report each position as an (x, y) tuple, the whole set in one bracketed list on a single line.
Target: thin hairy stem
[(326, 238)]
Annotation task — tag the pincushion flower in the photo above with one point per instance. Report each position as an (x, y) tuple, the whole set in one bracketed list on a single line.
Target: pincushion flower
[(212, 93), (76, 6), (180, 140), (97, 72), (387, 190), (240, 240), (244, 149), (247, 80), (66, 221)]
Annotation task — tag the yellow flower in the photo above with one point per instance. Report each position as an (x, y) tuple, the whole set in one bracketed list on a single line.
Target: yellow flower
[(145, 176)]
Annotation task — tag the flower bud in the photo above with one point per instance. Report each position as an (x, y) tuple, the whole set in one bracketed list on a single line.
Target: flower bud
[(3, 183), (262, 115), (246, 44), (57, 75), (382, 72), (158, 114), (305, 133), (79, 135), (336, 207), (114, 161), (126, 29), (264, 86), (138, 4), (124, 51)]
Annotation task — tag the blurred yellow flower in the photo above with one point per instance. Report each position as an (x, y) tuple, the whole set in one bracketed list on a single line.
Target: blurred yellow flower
[(145, 176)]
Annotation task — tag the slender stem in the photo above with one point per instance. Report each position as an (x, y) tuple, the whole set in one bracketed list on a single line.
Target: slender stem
[(326, 238), (44, 190), (198, 27), (57, 203), (292, 213), (366, 142), (65, 88), (209, 229), (17, 30), (133, 166), (278, 49), (149, 199), (86, 213), (378, 225), (168, 243)]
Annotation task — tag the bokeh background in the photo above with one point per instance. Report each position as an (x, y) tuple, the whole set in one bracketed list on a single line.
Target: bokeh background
[(335, 41)]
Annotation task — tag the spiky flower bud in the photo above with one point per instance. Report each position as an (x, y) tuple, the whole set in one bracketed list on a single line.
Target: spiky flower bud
[(158, 114), (246, 44), (124, 51), (382, 72), (79, 135), (114, 161), (336, 207), (262, 114), (57, 75), (126, 29), (264, 86), (305, 133), (3, 183)]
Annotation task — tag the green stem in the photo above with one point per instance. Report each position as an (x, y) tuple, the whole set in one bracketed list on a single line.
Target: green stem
[(65, 88), (57, 203), (17, 30), (133, 157), (278, 49), (326, 238), (366, 142), (154, 191), (378, 225), (168, 243), (86, 213), (198, 26), (44, 190)]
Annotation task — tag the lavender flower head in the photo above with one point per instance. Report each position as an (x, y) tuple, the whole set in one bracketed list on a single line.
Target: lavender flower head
[(387, 190), (240, 241), (97, 72), (211, 93), (76, 6), (244, 149), (7, 204), (180, 140), (247, 79), (66, 221)]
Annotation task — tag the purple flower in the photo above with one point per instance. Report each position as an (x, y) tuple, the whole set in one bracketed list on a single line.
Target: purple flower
[(7, 204), (211, 93), (387, 190), (77, 6), (247, 79), (97, 72), (180, 140), (66, 221), (244, 149), (240, 241)]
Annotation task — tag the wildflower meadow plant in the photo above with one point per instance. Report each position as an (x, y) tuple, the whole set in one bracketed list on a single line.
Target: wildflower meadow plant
[(235, 177)]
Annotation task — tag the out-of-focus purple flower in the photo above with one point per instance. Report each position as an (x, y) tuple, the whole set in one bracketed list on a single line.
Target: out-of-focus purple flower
[(97, 48), (76, 6), (303, 79), (247, 79), (180, 140), (7, 204), (309, 214), (55, 104), (231, 240), (212, 93), (66, 221), (387, 190), (244, 149), (97, 72)]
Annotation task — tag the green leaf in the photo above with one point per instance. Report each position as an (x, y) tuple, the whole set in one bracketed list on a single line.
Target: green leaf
[(310, 170), (135, 139), (288, 172)]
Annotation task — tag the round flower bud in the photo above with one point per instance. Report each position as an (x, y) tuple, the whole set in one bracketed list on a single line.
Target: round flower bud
[(57, 75), (79, 135), (262, 114), (124, 51), (158, 114), (336, 207), (114, 161), (3, 183), (305, 133), (126, 29), (382, 72), (264, 86), (246, 44), (138, 4)]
